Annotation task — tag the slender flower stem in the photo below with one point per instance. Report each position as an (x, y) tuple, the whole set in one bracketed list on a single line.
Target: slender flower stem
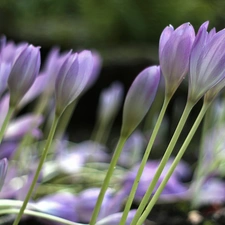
[(6, 122), (5, 203), (39, 215), (174, 164), (106, 181), (65, 118), (163, 162), (45, 152), (143, 162)]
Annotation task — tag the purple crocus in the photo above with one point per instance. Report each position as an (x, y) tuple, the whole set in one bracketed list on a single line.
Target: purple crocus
[(109, 102), (139, 98), (207, 61), (8, 53), (174, 52), (62, 204), (174, 189), (97, 65), (72, 78), (90, 196), (24, 72)]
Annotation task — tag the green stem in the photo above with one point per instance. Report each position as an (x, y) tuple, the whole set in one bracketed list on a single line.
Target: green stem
[(106, 181), (65, 118), (143, 162), (4, 203), (163, 162), (45, 152), (6, 122), (39, 215), (174, 164)]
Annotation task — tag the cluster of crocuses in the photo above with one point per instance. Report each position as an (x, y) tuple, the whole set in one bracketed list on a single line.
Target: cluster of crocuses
[(60, 84)]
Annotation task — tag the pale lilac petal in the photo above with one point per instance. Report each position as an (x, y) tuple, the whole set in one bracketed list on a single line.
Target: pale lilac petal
[(23, 125), (60, 204), (166, 34), (23, 73), (72, 78), (174, 56), (206, 62), (90, 195), (139, 98), (110, 101), (36, 89)]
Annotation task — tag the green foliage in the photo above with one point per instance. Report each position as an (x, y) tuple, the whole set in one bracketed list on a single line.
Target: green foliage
[(103, 22)]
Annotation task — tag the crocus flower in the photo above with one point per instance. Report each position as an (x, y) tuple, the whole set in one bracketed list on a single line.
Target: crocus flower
[(97, 65), (9, 51), (62, 204), (109, 102), (206, 62), (90, 196), (174, 189), (24, 72), (72, 78), (139, 98), (51, 67), (3, 169), (174, 52)]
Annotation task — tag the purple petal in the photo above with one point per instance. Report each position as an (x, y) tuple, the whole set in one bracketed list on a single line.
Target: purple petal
[(21, 126), (139, 98), (23, 73)]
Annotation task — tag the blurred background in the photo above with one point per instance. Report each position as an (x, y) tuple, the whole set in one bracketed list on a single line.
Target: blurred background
[(124, 32)]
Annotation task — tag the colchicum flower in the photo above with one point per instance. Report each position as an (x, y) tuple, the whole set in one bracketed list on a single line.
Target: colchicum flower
[(72, 78), (139, 98), (24, 72), (174, 52), (207, 61), (110, 101)]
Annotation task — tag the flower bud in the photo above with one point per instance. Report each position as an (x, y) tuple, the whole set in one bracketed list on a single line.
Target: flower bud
[(206, 62), (174, 51), (24, 72), (72, 79), (110, 102), (139, 98)]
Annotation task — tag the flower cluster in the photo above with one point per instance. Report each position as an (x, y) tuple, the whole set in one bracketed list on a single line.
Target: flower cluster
[(65, 183)]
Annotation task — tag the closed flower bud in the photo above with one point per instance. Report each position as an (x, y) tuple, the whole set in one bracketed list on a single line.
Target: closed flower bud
[(174, 52), (24, 72), (72, 79), (206, 62), (139, 98), (110, 102)]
